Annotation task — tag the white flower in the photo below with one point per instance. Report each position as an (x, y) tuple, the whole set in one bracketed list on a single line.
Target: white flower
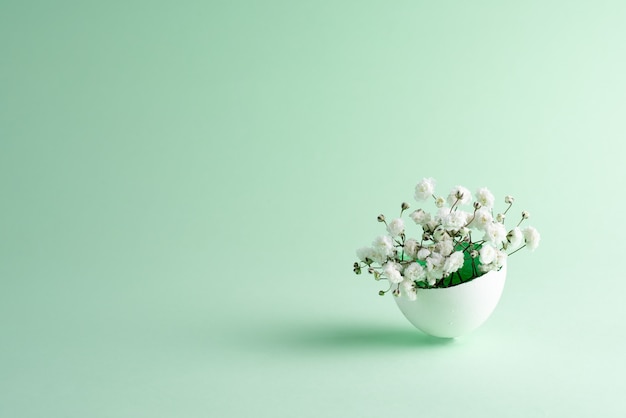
[(434, 261), (440, 201), (461, 194), (531, 237), (423, 253), (433, 275), (420, 217), (414, 271), (444, 247), (495, 233), (430, 225), (442, 213), (440, 234), (396, 227), (487, 267), (409, 289), (514, 237), (383, 248), (455, 220), (454, 262), (487, 254), (482, 218), (491, 258), (391, 272), (424, 189), (501, 257), (365, 252), (410, 247), (485, 197)]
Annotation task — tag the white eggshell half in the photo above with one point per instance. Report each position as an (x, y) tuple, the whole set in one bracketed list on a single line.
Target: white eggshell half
[(454, 311)]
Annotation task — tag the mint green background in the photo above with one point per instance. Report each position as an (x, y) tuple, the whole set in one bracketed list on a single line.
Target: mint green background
[(183, 186)]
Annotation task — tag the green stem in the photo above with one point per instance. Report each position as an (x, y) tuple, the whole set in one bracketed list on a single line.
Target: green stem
[(516, 250), (457, 201), (507, 209)]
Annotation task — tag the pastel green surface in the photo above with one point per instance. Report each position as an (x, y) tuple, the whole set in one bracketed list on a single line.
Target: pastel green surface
[(183, 186)]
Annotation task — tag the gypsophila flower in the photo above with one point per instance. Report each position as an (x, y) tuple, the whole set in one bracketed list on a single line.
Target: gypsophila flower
[(482, 218), (430, 225), (501, 257), (433, 275), (447, 249), (434, 261), (410, 248), (487, 254), (423, 254), (454, 262), (485, 197), (531, 237), (420, 217), (424, 189), (454, 220), (440, 234), (391, 272), (441, 213), (383, 248), (408, 286), (514, 238), (444, 247), (415, 271), (395, 227), (460, 194), (364, 253), (495, 233), (485, 268)]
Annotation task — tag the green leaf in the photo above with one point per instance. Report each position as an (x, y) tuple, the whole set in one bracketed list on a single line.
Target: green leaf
[(422, 285), (446, 281)]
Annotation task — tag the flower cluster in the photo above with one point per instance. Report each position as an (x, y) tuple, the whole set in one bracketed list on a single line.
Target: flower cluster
[(447, 253)]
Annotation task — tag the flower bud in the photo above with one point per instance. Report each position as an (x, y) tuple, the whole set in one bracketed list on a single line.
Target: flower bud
[(525, 215), (509, 200), (381, 293), (381, 218), (440, 234), (370, 270), (355, 265), (473, 253), (500, 217), (396, 292), (476, 205), (405, 206)]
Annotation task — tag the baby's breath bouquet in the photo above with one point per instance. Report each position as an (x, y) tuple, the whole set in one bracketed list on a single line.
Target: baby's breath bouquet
[(455, 245)]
